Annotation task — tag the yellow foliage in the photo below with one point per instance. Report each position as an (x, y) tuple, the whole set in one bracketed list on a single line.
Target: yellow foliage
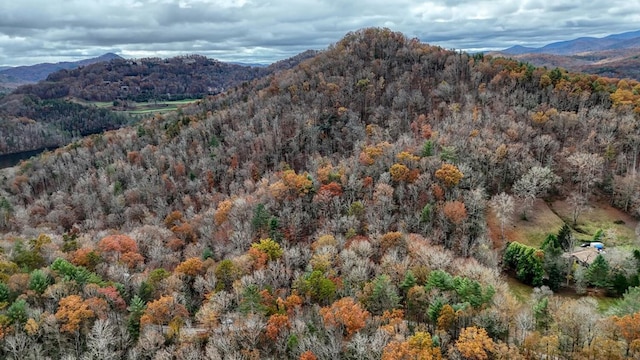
[(269, 247), (370, 153), (190, 267), (407, 157), (324, 240), (449, 174), (31, 327), (222, 212), (399, 172), (300, 183), (623, 97), (417, 347), (321, 262)]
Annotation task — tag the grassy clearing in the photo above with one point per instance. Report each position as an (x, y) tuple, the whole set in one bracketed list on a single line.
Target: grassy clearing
[(541, 221), (522, 293), (619, 228), (141, 108), (545, 219)]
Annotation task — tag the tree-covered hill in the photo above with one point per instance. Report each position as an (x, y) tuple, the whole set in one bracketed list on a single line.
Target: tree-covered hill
[(151, 79), (45, 114), (334, 210), (29, 123)]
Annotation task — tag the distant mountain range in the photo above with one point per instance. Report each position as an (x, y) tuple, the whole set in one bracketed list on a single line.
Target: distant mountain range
[(627, 40), (33, 73), (616, 55)]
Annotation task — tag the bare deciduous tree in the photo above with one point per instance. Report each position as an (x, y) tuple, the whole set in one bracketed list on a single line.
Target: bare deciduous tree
[(536, 182), (503, 206)]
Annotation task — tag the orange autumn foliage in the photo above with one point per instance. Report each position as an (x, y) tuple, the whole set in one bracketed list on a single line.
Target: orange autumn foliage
[(120, 248), (299, 183), (72, 312), (85, 257), (276, 323), (474, 343), (190, 267), (292, 302), (629, 326), (163, 311), (258, 258), (308, 355), (222, 212), (345, 313), (332, 188)]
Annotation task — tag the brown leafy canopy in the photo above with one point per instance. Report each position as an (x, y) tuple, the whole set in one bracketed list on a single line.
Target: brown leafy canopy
[(455, 211)]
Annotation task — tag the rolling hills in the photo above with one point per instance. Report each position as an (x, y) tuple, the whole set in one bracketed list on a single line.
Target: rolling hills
[(615, 55), (58, 109), (337, 209)]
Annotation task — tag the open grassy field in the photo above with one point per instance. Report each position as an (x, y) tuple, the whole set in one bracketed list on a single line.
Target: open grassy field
[(522, 293), (541, 221), (619, 227), (140, 108), (547, 218)]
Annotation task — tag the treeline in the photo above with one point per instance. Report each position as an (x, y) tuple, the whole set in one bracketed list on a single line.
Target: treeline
[(336, 210)]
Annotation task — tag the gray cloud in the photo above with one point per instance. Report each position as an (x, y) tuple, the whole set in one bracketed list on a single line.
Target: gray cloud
[(33, 31)]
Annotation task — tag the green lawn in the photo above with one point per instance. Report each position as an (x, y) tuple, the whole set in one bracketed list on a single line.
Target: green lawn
[(143, 108), (522, 293)]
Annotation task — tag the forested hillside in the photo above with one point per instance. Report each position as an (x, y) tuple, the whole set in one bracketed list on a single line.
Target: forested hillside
[(149, 79), (335, 210), (34, 73), (29, 123), (47, 114)]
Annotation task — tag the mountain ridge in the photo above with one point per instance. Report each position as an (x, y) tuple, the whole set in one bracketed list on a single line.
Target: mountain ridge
[(580, 44), (34, 73), (616, 55)]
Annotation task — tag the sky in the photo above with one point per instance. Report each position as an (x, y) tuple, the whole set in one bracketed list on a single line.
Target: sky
[(256, 31)]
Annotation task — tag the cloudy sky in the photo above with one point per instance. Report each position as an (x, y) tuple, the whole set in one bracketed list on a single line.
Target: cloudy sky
[(262, 31)]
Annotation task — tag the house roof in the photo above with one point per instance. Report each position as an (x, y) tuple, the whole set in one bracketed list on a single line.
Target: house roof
[(584, 255)]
